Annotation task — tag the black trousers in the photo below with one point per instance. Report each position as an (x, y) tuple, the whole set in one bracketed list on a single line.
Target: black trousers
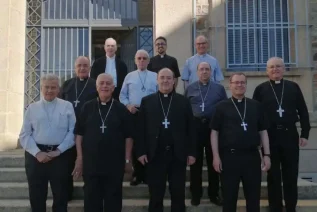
[(72, 160), (39, 174), (203, 145), (284, 167), (139, 169), (166, 167), (103, 193), (244, 166)]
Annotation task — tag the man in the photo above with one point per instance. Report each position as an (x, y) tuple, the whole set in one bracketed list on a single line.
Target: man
[(103, 141), (136, 85), (46, 136), (189, 74), (162, 60), (203, 96), (77, 91), (238, 129), (112, 65), (166, 142), (285, 105)]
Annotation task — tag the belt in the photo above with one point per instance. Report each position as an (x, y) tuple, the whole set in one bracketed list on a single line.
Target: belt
[(47, 148), (203, 120), (282, 127), (237, 151)]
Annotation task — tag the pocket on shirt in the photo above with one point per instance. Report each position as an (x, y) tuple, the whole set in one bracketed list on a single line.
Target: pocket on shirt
[(62, 120)]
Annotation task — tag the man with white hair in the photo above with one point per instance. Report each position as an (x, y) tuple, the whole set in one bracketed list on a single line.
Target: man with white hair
[(46, 136), (136, 85), (112, 65), (104, 144)]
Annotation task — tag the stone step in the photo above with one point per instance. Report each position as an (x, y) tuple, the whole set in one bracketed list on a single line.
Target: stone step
[(141, 205), (306, 190)]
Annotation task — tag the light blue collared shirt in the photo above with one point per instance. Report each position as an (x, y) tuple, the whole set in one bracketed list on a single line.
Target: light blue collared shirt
[(190, 69), (48, 123), (131, 91)]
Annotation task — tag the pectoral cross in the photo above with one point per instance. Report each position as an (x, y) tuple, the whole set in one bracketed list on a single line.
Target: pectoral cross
[(280, 111), (202, 107), (244, 125), (76, 102), (165, 122), (103, 127)]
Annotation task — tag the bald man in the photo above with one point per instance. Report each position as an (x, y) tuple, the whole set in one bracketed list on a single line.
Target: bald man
[(166, 142), (104, 144), (77, 91), (112, 65)]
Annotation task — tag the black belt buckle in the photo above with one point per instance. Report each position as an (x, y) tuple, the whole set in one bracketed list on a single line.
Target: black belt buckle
[(168, 148), (204, 120), (280, 127), (49, 148), (232, 151)]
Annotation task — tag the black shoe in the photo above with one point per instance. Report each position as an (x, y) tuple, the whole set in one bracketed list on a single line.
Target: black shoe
[(216, 200), (195, 202), (135, 182)]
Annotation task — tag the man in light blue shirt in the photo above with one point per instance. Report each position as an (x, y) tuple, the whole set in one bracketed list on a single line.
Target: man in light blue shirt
[(189, 74), (47, 136), (138, 84)]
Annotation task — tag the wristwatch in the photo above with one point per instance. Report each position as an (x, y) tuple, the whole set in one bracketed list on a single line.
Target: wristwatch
[(268, 155), (127, 161)]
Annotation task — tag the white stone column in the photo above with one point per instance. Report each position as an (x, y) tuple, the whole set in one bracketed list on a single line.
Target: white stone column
[(173, 20), (12, 54)]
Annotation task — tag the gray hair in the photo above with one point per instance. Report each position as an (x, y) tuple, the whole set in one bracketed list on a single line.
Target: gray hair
[(104, 75), (142, 51), (111, 39), (276, 58), (82, 57), (49, 77), (201, 36)]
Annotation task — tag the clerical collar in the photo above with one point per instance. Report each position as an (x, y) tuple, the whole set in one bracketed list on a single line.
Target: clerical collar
[(276, 81), (238, 100), (204, 84), (83, 79), (142, 71), (104, 103), (49, 102), (162, 56), (201, 55), (112, 58), (166, 95)]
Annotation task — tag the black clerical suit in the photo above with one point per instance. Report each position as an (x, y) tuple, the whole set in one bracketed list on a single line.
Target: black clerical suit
[(99, 67), (103, 153), (284, 139), (159, 62), (86, 90), (167, 149), (239, 151)]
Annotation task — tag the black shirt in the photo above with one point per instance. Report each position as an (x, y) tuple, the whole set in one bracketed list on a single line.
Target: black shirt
[(104, 153), (158, 62), (293, 104), (227, 122)]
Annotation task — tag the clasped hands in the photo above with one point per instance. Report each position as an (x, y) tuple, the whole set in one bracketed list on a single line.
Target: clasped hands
[(44, 157)]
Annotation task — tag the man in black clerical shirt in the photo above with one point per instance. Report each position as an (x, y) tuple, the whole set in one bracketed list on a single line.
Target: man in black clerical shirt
[(162, 60), (166, 143), (77, 91), (285, 105), (238, 130), (204, 95), (103, 142)]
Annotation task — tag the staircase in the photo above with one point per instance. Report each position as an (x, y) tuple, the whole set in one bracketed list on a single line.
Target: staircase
[(14, 192)]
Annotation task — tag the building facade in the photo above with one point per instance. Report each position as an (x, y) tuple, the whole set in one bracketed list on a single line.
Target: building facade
[(45, 36)]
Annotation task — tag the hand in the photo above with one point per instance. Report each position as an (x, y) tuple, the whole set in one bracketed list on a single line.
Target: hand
[(190, 160), (266, 163), (303, 142), (42, 157), (217, 164), (78, 170), (128, 167), (143, 159), (54, 154), (132, 109)]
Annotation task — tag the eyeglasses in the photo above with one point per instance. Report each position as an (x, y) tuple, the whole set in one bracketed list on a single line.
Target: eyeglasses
[(160, 44), (140, 58), (238, 82)]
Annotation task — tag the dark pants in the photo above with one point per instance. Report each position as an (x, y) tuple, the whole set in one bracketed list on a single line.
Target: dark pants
[(103, 193), (72, 160), (203, 145), (244, 166), (284, 166), (139, 169), (39, 174), (164, 166)]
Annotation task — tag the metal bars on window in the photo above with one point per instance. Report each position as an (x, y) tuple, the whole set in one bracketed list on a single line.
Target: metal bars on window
[(62, 47), (258, 30), (146, 39), (66, 9)]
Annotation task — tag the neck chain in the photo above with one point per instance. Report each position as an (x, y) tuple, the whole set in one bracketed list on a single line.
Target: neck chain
[(47, 113), (243, 124), (143, 82), (201, 95), (102, 127), (165, 122), (77, 97), (280, 110)]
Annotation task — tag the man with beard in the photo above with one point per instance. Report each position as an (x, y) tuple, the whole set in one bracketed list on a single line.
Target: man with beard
[(162, 60), (77, 91), (103, 141), (166, 142)]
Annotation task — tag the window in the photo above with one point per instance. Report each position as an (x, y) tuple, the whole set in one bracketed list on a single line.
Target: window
[(256, 31)]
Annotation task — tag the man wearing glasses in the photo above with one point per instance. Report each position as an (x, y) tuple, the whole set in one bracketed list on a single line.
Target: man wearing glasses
[(189, 74), (162, 60)]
